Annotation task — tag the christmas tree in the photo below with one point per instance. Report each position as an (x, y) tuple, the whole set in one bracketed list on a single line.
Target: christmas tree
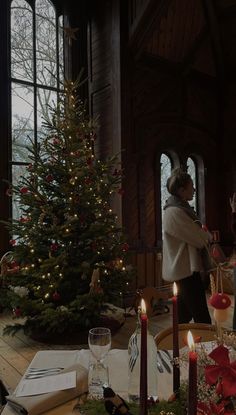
[(68, 258)]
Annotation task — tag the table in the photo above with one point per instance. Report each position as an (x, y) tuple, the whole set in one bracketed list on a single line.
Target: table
[(117, 361)]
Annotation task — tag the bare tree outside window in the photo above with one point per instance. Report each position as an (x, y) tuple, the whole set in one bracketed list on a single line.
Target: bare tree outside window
[(166, 166), (192, 171), (37, 68)]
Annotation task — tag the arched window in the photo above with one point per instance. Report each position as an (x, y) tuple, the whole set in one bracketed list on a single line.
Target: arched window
[(37, 68), (192, 170), (166, 167)]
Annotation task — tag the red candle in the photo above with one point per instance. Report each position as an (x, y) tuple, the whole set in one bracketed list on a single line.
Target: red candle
[(192, 378), (176, 371), (143, 360)]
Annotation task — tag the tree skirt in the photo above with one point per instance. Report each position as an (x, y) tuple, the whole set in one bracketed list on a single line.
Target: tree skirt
[(113, 318)]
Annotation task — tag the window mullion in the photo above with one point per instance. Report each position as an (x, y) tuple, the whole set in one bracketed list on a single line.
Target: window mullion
[(35, 75)]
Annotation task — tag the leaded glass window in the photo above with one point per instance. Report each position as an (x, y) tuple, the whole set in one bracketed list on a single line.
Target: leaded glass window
[(37, 70)]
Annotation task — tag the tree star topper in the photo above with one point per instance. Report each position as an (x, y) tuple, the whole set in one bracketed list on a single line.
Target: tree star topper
[(70, 33)]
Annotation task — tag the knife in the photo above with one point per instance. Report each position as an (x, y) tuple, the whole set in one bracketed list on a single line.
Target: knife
[(165, 364)]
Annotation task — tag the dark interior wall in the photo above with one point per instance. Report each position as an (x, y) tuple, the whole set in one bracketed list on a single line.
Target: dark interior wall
[(169, 112), (168, 102), (180, 100), (104, 73)]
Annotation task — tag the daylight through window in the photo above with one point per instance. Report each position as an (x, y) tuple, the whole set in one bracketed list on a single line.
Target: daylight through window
[(36, 71)]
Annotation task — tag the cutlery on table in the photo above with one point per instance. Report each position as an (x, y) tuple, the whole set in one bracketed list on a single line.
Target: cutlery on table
[(159, 367), (42, 373), (168, 355), (163, 361), (46, 369)]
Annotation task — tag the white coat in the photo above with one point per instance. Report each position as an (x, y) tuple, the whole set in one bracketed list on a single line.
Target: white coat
[(182, 241)]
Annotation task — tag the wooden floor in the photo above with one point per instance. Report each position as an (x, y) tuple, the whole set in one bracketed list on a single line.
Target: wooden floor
[(17, 352)]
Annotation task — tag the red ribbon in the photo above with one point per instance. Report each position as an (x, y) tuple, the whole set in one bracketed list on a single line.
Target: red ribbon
[(223, 372)]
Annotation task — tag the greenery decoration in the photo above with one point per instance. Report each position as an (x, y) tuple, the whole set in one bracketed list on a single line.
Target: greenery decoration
[(93, 407)]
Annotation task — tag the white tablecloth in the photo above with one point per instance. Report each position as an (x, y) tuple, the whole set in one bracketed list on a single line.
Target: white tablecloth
[(117, 361)]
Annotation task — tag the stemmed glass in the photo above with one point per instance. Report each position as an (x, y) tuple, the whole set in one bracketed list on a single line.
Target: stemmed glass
[(99, 341)]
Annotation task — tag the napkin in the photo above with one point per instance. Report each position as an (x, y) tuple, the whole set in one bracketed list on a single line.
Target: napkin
[(35, 405)]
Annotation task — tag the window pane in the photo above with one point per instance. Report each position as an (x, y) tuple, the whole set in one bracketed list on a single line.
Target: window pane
[(17, 172), (45, 100), (61, 49), (46, 52), (192, 171), (22, 121), (21, 40), (165, 173)]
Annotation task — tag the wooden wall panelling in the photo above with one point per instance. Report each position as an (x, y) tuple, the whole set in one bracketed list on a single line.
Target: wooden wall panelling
[(148, 265), (141, 269), (104, 79), (150, 269), (130, 204), (101, 104), (151, 231)]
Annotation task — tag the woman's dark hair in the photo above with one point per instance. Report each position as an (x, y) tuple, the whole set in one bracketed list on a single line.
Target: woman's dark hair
[(178, 179)]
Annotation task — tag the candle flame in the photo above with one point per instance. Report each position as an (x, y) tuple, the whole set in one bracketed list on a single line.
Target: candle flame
[(190, 341), (175, 290), (143, 307)]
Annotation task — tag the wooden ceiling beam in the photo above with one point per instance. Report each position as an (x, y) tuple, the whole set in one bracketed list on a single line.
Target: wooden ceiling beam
[(188, 60), (211, 17), (144, 24), (155, 63), (213, 24)]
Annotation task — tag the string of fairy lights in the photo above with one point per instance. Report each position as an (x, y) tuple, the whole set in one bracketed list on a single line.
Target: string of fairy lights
[(97, 192)]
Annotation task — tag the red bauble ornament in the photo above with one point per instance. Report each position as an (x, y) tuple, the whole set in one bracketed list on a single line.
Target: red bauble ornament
[(88, 181), (12, 242), (54, 247), (125, 247), (56, 141), (24, 219), (16, 311), (49, 178), (56, 296), (24, 190)]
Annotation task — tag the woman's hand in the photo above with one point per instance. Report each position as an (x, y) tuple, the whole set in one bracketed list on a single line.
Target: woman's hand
[(232, 201)]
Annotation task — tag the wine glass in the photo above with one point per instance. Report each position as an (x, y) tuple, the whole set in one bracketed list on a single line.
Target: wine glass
[(99, 341)]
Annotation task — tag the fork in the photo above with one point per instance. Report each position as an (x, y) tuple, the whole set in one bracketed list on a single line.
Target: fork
[(34, 374), (168, 355), (163, 361), (46, 369)]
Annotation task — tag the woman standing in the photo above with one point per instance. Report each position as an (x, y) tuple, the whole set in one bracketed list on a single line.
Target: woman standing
[(184, 242)]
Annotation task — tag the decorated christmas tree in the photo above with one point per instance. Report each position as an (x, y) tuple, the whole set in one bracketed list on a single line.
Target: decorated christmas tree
[(68, 256)]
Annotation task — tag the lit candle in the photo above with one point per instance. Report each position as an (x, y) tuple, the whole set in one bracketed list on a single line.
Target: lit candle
[(176, 371), (192, 378), (143, 360)]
